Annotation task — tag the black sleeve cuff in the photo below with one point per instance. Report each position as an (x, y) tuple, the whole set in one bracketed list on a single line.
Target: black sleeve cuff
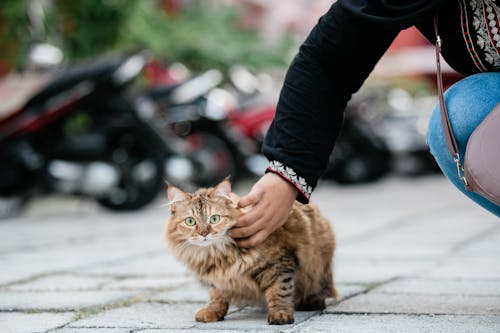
[(291, 176)]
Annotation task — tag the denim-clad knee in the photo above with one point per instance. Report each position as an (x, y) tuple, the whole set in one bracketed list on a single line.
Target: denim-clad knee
[(468, 101)]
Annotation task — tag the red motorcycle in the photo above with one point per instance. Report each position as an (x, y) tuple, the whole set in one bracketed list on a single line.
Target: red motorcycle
[(78, 133)]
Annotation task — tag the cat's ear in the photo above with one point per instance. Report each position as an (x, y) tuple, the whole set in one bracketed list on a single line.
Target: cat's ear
[(223, 189), (174, 195)]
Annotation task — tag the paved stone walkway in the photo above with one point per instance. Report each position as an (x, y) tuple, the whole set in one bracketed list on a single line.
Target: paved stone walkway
[(413, 256)]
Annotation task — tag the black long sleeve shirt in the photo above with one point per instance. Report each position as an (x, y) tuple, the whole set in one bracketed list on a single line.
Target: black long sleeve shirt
[(340, 53)]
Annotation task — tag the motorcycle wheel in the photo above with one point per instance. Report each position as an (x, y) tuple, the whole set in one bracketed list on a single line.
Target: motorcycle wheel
[(360, 155), (141, 174), (362, 168)]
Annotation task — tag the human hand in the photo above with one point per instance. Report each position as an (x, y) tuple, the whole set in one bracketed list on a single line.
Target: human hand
[(271, 200)]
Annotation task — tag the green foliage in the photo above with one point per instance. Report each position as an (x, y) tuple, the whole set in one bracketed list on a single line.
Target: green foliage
[(90, 27), (201, 37), (14, 30)]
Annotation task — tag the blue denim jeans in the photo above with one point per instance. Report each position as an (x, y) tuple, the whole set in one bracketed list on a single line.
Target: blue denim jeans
[(468, 101)]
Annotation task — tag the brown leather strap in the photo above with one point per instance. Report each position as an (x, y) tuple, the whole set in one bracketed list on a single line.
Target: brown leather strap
[(448, 131)]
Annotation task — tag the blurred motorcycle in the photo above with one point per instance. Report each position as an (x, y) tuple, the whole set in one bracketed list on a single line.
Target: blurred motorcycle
[(77, 132), (384, 131), (403, 126), (195, 118), (186, 118)]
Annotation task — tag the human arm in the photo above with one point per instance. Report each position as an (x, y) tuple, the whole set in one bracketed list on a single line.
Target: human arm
[(331, 65)]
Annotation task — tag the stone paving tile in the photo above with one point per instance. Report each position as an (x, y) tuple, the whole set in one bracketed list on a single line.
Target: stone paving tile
[(426, 197), (378, 250), (348, 270), (155, 264), (18, 322), (469, 268), (485, 247), (399, 323), (346, 291), (418, 304), (63, 300), (91, 330), (26, 235), (166, 282), (443, 287), (205, 330), (143, 315), (80, 230), (76, 258), (445, 230), (191, 292), (423, 238), (62, 282), (12, 274)]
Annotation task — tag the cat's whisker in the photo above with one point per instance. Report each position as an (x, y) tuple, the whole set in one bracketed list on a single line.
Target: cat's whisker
[(182, 246)]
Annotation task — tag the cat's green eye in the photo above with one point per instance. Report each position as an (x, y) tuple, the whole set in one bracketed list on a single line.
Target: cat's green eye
[(189, 221), (214, 219)]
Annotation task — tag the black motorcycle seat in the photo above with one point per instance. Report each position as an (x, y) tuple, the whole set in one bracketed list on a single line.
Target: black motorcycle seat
[(70, 77)]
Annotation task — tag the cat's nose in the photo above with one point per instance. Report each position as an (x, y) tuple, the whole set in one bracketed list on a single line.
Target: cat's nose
[(204, 233)]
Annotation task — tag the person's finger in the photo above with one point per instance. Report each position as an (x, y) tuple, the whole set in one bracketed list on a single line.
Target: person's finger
[(249, 218), (254, 240), (244, 232), (250, 199)]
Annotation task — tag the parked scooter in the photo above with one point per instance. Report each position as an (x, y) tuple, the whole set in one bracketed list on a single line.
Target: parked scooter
[(403, 127), (360, 154), (384, 131), (79, 134), (207, 122)]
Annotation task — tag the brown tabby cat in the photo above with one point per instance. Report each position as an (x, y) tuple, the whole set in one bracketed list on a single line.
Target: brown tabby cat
[(291, 269)]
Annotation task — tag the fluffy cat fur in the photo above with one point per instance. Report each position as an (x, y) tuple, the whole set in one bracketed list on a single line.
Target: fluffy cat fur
[(291, 269)]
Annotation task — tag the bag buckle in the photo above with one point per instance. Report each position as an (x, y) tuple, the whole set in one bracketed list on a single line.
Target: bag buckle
[(460, 170), (439, 42)]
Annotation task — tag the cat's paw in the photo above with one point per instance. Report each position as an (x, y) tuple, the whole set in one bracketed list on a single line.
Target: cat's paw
[(206, 316), (280, 317)]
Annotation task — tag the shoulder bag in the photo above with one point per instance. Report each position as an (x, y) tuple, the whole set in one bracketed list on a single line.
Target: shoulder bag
[(480, 170)]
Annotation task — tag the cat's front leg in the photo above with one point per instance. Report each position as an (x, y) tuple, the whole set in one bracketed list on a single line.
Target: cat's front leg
[(216, 308), (279, 290)]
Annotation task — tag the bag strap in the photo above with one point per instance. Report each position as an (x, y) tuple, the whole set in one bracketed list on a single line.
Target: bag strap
[(448, 131)]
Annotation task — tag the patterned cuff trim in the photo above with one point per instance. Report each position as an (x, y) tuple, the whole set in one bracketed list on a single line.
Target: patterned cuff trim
[(288, 173)]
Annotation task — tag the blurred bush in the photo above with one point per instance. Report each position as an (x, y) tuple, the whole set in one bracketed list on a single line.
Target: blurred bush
[(90, 27), (201, 37), (14, 32)]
